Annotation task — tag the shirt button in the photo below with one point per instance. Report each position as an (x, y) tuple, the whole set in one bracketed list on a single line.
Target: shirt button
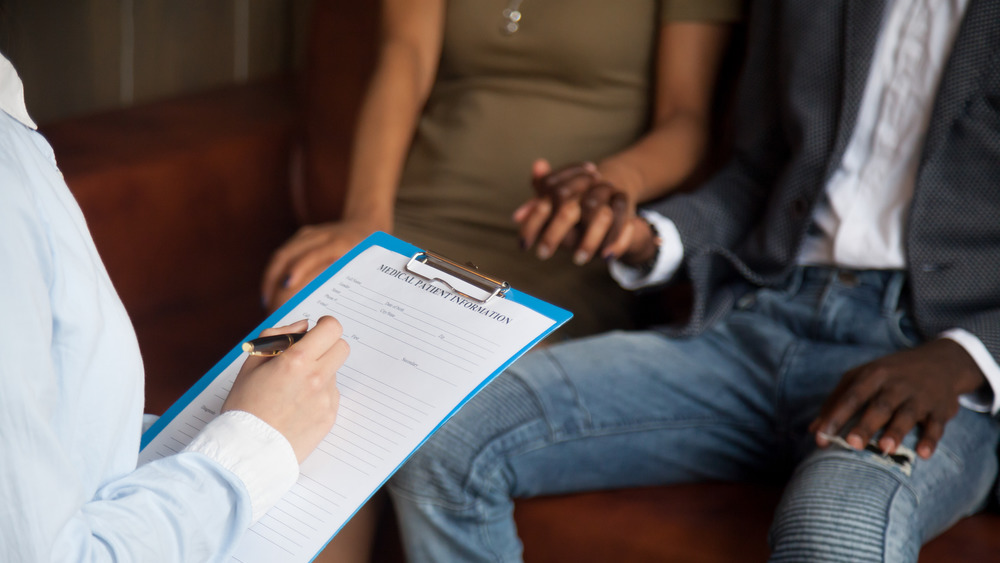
[(799, 207)]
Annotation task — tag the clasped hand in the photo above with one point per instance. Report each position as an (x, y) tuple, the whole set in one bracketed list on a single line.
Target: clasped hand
[(576, 207), (919, 387)]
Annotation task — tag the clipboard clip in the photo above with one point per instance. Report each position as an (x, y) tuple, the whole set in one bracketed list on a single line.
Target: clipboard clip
[(463, 280)]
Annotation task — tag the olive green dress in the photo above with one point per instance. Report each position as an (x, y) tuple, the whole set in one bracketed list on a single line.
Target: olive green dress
[(573, 83)]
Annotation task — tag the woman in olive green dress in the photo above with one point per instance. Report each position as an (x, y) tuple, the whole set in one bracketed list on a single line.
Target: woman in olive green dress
[(469, 95), (474, 101)]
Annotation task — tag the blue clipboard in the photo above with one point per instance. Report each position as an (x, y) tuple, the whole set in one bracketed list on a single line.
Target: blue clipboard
[(385, 240), (456, 276)]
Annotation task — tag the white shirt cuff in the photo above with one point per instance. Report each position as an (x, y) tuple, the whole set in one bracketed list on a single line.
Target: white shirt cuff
[(252, 450), (668, 259), (978, 401)]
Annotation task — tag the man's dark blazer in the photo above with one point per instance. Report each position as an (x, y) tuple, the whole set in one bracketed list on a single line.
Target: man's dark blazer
[(805, 72)]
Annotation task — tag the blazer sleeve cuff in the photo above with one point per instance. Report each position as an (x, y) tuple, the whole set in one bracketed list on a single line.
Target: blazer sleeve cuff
[(668, 259), (987, 399)]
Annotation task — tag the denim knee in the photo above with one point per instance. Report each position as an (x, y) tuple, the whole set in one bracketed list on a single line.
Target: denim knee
[(843, 506), (465, 460)]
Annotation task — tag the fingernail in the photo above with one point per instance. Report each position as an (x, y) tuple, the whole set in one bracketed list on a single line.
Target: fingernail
[(888, 445), (544, 252), (610, 258), (523, 244), (580, 257), (285, 283), (924, 451), (855, 441), (263, 302)]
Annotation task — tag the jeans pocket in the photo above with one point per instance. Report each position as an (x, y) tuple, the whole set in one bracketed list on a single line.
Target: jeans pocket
[(902, 329)]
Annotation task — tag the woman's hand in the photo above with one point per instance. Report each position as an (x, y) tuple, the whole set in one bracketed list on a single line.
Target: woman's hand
[(296, 391), (304, 256), (577, 207)]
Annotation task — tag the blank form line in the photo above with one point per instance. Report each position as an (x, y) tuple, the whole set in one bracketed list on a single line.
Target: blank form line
[(379, 350), (435, 376), (470, 352), (269, 540), (384, 384), (269, 518), (344, 461), (321, 484), (360, 304), (354, 380), (353, 289), (400, 320), (376, 401), (384, 325), (364, 405), (410, 344), (340, 427), (370, 419), (309, 514), (353, 444), (433, 316), (293, 493), (352, 454), (424, 341), (293, 517)]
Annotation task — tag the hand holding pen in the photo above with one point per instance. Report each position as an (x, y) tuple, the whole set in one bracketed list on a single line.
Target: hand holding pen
[(294, 390), (272, 345)]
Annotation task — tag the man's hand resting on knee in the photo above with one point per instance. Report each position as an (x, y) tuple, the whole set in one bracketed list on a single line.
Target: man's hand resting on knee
[(917, 387)]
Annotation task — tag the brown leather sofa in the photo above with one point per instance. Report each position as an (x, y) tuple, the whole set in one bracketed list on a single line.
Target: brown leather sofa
[(186, 199)]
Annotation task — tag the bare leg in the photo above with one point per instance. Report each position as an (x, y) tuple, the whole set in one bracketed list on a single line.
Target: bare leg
[(353, 544)]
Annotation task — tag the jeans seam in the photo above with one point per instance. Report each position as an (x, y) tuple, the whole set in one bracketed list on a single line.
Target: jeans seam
[(779, 387), (889, 506), (588, 419), (537, 444), (893, 472)]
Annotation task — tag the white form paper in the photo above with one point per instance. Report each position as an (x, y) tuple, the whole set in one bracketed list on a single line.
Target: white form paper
[(417, 352)]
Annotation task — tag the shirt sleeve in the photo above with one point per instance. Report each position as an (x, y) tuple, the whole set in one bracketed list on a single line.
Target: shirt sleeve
[(71, 397), (984, 400), (719, 11), (255, 452)]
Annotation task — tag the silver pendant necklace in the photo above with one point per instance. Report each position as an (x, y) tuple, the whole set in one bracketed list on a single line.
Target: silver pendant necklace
[(512, 17)]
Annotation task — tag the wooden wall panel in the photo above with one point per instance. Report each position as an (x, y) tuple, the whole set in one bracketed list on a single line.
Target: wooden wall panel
[(66, 54), (182, 45), (84, 56)]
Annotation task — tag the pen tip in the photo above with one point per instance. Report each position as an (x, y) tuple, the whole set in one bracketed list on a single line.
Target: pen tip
[(247, 347)]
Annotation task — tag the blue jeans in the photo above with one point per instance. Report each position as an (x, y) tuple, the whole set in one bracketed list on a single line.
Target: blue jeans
[(640, 408)]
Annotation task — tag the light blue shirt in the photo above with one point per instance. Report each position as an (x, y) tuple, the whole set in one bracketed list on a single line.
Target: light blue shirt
[(71, 398)]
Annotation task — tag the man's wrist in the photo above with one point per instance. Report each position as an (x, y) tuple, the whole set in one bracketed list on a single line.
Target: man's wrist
[(645, 261)]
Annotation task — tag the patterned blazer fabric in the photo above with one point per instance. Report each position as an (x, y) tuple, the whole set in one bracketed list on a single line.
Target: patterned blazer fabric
[(800, 92)]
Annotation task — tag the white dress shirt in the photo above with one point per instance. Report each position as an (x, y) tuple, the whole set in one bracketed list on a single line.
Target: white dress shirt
[(71, 396), (861, 218)]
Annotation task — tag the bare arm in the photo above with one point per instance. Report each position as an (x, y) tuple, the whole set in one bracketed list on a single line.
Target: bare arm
[(586, 205), (407, 62), (409, 50)]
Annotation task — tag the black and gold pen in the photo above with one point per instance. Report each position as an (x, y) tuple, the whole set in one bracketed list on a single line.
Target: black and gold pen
[(271, 345)]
